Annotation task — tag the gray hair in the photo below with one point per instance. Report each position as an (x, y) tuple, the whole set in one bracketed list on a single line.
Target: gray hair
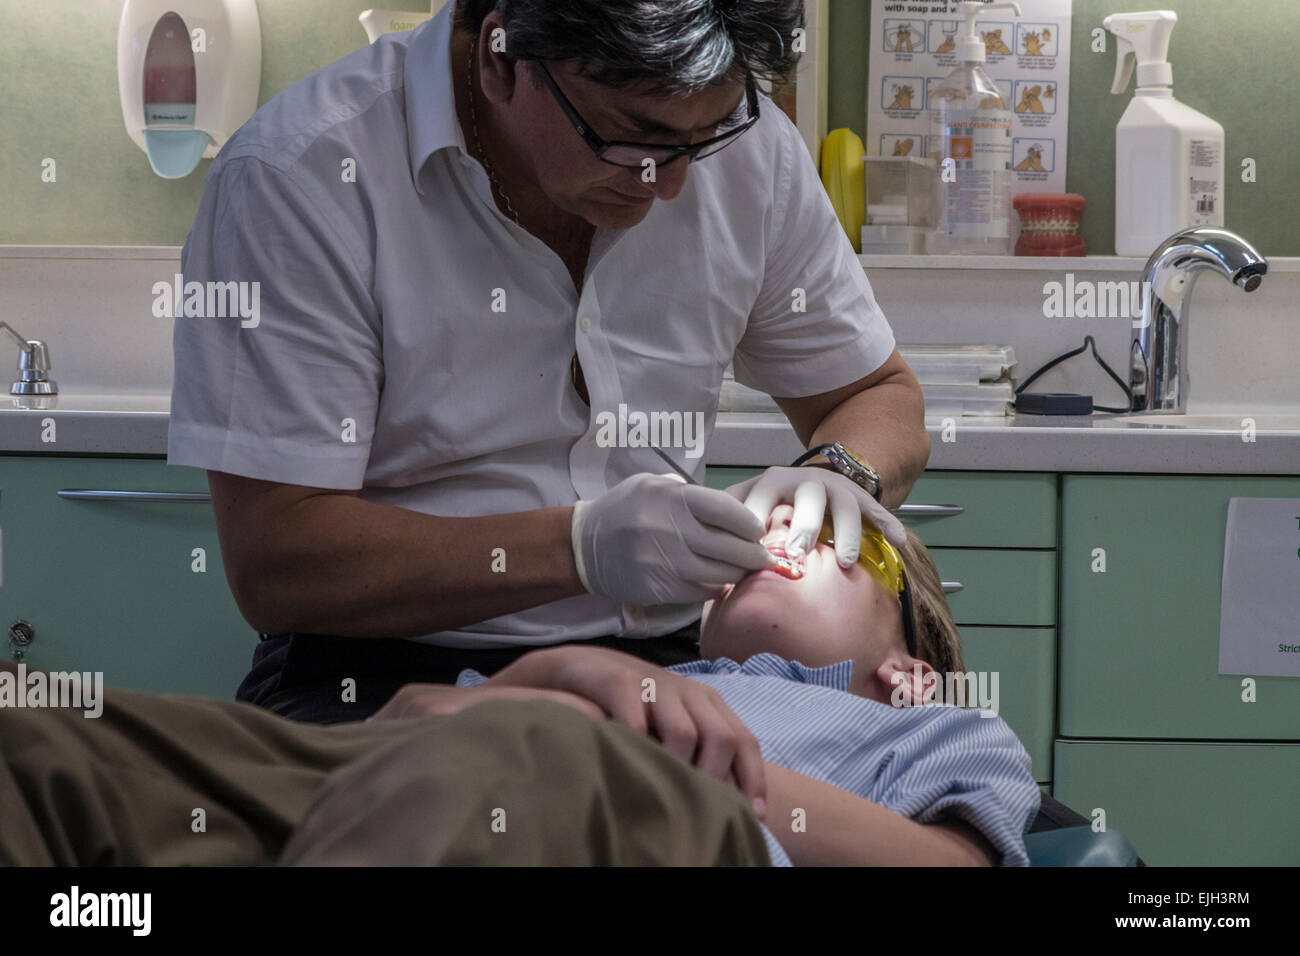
[(667, 47)]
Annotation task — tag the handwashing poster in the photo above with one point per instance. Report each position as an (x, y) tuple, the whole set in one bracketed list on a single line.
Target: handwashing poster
[(914, 47)]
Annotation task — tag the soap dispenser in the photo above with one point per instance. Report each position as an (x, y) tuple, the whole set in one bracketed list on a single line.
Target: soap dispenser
[(188, 74), (970, 140)]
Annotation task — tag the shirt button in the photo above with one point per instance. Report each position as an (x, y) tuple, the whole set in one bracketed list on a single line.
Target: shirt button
[(584, 323)]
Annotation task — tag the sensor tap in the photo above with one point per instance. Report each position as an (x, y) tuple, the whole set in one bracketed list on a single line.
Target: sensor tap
[(1158, 353)]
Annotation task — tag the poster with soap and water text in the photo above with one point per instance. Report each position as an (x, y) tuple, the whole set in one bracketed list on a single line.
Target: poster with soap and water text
[(914, 47)]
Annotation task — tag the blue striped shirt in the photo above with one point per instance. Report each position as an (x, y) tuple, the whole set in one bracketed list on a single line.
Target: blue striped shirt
[(926, 763)]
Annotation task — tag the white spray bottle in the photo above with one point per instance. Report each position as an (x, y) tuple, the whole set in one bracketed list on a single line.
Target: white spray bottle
[(970, 138), (1168, 157)]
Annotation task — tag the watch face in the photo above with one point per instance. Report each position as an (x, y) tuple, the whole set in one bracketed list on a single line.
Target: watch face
[(862, 473), (858, 460), (855, 457)]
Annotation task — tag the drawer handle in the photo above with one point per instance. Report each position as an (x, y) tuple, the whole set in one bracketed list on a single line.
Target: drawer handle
[(930, 511), (86, 494), (952, 587)]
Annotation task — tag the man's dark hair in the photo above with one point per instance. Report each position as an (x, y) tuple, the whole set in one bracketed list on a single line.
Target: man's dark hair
[(665, 47)]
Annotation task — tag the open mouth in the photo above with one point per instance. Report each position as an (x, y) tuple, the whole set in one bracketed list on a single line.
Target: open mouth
[(785, 566)]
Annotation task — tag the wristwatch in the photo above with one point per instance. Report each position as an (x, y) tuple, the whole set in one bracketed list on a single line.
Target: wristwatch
[(849, 464)]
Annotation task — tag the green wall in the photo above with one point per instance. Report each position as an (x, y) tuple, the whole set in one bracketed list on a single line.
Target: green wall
[(1233, 59)]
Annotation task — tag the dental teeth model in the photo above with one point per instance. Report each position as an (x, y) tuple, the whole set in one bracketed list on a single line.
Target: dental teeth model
[(789, 568)]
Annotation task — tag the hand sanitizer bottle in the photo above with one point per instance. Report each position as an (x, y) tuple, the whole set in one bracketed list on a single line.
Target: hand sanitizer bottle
[(1168, 157), (970, 139)]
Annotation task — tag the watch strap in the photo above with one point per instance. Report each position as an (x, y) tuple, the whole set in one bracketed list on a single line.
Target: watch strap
[(810, 453)]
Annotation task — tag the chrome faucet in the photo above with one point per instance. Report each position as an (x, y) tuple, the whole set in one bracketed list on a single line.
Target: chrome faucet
[(1158, 354), (33, 366)]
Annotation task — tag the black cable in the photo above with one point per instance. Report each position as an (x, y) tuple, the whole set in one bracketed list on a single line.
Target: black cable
[(1087, 342)]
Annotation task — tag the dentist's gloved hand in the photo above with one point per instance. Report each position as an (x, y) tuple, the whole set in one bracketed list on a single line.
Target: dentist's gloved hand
[(654, 539), (811, 490)]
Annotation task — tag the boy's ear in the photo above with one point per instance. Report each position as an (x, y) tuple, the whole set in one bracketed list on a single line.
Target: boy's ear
[(909, 681)]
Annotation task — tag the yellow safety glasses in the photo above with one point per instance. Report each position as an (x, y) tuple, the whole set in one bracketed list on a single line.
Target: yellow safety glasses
[(883, 562)]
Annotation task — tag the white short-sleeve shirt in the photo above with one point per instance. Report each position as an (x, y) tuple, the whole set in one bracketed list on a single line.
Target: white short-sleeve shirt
[(413, 342)]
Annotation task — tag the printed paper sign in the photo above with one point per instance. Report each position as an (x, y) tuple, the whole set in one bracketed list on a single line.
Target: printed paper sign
[(913, 48), (1259, 624)]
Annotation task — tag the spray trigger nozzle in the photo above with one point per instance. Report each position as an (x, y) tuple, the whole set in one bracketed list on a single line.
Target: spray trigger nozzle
[(1143, 41)]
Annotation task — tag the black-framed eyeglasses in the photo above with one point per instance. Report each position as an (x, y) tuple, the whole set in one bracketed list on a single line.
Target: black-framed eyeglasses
[(909, 626), (634, 155)]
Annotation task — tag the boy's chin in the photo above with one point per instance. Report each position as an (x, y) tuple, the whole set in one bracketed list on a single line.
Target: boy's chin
[(737, 624)]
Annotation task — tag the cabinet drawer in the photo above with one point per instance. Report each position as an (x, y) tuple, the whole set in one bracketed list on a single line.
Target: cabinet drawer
[(964, 509), (1189, 804), (999, 587), (1140, 641), (1024, 659), (110, 585), (997, 510)]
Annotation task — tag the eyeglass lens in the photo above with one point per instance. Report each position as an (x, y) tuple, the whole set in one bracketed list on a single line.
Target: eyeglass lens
[(635, 156)]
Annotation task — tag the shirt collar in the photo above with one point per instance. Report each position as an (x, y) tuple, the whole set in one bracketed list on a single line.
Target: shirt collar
[(431, 121), (766, 664)]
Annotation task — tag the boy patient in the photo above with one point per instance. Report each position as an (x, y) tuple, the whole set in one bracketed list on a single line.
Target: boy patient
[(863, 766)]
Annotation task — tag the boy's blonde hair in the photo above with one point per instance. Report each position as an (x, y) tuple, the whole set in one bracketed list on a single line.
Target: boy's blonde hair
[(937, 641)]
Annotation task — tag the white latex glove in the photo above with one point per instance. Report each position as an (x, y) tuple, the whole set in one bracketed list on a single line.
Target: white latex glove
[(654, 539), (811, 490)]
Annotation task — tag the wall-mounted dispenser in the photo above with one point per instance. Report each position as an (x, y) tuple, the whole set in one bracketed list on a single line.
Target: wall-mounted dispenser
[(188, 73)]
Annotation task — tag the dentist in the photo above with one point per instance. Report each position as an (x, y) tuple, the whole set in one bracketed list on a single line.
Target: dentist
[(470, 240)]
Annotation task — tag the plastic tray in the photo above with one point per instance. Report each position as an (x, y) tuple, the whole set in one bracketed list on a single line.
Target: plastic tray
[(958, 364)]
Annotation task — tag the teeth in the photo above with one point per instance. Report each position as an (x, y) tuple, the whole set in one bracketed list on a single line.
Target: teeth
[(788, 568)]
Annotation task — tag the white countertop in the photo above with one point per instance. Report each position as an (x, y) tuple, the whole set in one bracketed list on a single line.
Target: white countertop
[(1203, 444), (136, 424)]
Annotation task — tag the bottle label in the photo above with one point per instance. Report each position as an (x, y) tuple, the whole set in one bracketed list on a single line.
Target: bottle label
[(1205, 174), (975, 203)]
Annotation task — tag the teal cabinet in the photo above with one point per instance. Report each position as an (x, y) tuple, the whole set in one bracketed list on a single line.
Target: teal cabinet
[(1004, 587), (1189, 804), (114, 586), (716, 477), (1139, 648), (1024, 659), (993, 510)]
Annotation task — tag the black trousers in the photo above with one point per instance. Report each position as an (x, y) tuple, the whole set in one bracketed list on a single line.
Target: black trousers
[(302, 676)]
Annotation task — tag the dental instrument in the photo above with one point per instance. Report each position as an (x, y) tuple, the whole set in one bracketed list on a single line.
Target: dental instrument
[(784, 565), (673, 465)]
